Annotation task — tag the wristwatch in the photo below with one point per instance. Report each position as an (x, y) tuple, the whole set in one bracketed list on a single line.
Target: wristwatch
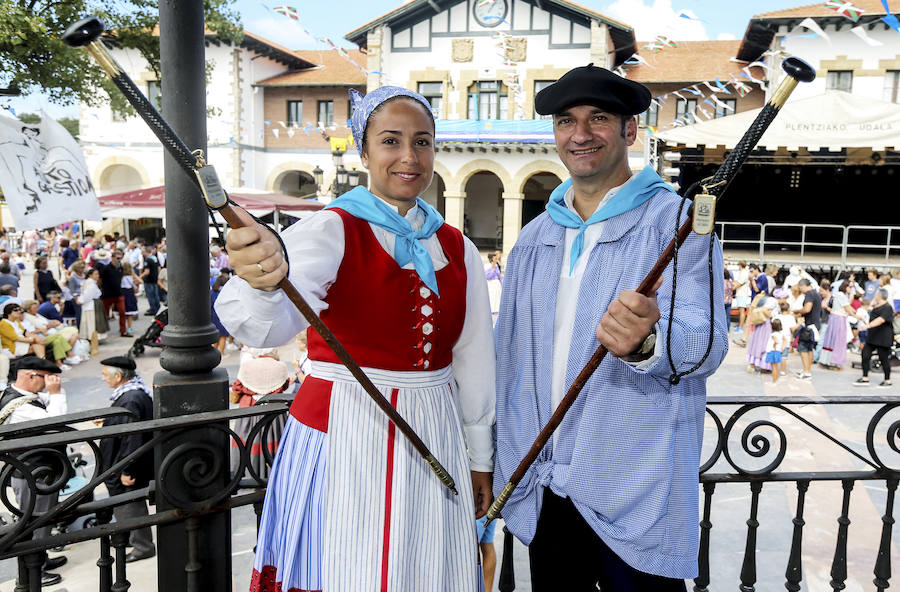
[(644, 351)]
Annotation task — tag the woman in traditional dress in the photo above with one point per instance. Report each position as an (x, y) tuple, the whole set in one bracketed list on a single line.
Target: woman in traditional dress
[(350, 505), (93, 317), (834, 346), (130, 282), (258, 377), (763, 308)]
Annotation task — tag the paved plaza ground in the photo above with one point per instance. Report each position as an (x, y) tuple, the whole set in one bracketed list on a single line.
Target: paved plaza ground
[(807, 451)]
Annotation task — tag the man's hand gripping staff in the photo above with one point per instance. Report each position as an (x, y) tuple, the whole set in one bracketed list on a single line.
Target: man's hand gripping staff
[(256, 256), (632, 312)]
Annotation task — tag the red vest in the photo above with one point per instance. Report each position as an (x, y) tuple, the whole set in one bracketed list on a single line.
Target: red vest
[(384, 315)]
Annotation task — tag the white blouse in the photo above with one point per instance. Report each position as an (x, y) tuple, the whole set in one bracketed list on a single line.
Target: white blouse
[(316, 248)]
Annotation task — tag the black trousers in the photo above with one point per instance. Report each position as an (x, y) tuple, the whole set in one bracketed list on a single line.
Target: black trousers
[(566, 554), (884, 354)]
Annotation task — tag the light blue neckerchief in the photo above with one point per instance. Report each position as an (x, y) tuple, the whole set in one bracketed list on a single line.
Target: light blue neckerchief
[(635, 192), (360, 202)]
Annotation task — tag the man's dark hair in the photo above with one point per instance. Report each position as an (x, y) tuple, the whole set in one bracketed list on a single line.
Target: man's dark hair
[(4, 268), (53, 294), (804, 282), (754, 266), (7, 290)]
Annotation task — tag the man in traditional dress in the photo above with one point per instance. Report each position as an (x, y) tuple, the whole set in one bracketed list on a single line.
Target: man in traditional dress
[(37, 394), (131, 393), (613, 499)]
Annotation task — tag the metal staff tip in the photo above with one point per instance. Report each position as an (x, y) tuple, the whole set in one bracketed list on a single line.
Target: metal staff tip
[(86, 33), (441, 473)]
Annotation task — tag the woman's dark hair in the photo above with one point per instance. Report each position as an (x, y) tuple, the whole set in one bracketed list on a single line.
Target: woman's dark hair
[(727, 274), (63, 242), (90, 270), (776, 325), (381, 106), (220, 281), (10, 308), (38, 261)]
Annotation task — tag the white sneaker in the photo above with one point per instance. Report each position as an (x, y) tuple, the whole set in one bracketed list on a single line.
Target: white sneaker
[(65, 367), (231, 347), (73, 360)]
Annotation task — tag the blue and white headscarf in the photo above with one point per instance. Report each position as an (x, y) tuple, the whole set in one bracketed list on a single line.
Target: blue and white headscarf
[(363, 105)]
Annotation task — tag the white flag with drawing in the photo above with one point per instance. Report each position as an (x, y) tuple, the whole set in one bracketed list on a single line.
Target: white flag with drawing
[(43, 175)]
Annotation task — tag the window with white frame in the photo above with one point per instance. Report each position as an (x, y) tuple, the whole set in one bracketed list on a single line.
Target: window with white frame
[(326, 113), (488, 100), (723, 111), (839, 80), (684, 107), (540, 85), (295, 112), (892, 86), (650, 116)]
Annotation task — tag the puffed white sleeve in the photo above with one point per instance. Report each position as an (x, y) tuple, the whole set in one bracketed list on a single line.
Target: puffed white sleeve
[(474, 366), (258, 318)]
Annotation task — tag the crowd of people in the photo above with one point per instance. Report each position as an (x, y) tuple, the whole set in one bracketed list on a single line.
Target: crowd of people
[(81, 282), (821, 320)]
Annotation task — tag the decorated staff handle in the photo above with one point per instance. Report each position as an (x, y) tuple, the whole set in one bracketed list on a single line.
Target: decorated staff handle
[(798, 71), (86, 33)]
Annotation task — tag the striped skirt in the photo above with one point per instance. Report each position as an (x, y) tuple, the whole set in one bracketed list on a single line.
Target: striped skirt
[(834, 345), (756, 347), (357, 508)]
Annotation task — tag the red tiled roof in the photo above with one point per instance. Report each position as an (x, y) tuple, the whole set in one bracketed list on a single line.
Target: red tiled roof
[(331, 68), (691, 61), (819, 10)]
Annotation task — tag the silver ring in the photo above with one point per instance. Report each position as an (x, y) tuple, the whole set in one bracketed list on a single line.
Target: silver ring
[(260, 267)]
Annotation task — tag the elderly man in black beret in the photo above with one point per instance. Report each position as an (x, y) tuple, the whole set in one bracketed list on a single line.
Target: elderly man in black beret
[(131, 393), (37, 393), (612, 500)]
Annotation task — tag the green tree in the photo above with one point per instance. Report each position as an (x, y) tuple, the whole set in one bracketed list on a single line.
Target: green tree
[(34, 58)]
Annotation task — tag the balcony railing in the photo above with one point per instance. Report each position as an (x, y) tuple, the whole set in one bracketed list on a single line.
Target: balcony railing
[(37, 450), (750, 442)]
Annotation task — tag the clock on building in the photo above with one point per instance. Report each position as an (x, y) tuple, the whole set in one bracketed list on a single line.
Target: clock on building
[(490, 13)]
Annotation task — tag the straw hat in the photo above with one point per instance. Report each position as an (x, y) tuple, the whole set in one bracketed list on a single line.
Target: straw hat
[(100, 254), (263, 375)]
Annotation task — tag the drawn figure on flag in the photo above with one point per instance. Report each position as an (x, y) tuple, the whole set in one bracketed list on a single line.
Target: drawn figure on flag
[(43, 175)]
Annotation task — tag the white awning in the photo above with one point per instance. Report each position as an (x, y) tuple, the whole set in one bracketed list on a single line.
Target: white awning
[(833, 121)]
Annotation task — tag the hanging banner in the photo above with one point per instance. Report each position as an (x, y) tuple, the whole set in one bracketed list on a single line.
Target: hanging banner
[(43, 175)]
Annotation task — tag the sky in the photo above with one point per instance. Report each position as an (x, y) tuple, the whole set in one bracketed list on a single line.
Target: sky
[(709, 19)]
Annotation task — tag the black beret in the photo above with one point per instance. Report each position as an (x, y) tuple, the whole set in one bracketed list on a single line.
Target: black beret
[(36, 363), (123, 362), (590, 85)]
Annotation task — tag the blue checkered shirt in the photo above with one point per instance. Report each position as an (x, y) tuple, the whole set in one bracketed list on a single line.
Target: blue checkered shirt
[(627, 452)]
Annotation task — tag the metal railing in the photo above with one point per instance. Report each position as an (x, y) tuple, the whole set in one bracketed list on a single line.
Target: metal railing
[(758, 460), (791, 242), (748, 441), (35, 451)]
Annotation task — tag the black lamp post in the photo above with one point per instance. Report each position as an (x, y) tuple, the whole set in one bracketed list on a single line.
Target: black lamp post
[(354, 178), (341, 180), (318, 175), (191, 382)]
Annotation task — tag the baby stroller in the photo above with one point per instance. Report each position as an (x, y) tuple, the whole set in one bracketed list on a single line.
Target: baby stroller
[(150, 338)]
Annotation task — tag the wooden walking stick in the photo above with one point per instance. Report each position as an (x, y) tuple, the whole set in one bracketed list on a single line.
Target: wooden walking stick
[(704, 209), (86, 33)]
